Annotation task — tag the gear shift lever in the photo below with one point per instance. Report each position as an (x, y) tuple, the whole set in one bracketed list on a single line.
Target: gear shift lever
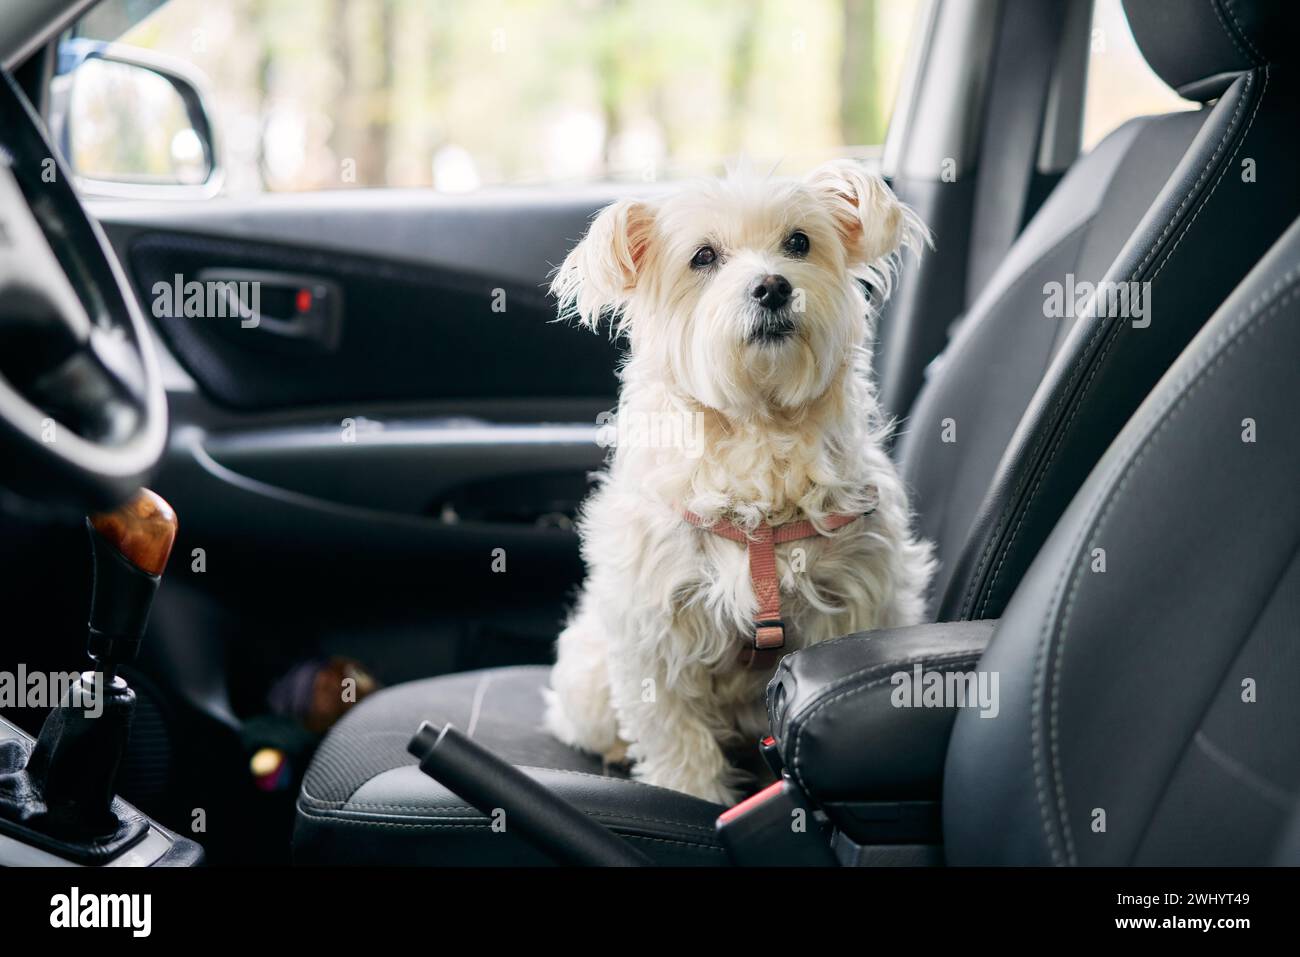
[(130, 548), (65, 793)]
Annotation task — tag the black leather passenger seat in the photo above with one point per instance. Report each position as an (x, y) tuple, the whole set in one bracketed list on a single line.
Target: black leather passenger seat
[(1148, 714)]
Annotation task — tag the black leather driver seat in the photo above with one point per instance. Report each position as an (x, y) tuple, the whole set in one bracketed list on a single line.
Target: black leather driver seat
[(1161, 201)]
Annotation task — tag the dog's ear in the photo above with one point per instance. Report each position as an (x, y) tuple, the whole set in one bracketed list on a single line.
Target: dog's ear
[(601, 271), (870, 218)]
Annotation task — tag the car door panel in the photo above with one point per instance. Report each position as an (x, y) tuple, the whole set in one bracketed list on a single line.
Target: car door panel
[(447, 436), (407, 329), (450, 396)]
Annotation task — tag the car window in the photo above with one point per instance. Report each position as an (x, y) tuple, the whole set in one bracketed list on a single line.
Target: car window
[(1120, 84), (321, 94)]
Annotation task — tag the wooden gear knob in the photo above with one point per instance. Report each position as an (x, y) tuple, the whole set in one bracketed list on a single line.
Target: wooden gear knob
[(143, 530)]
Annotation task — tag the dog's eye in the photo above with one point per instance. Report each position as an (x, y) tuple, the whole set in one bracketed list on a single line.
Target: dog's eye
[(704, 256), (797, 244)]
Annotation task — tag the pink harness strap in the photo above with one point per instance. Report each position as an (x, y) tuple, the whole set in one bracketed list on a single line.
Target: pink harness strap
[(769, 627)]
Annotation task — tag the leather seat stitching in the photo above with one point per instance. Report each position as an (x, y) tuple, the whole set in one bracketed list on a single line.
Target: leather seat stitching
[(1114, 330), (1218, 14), (323, 805), (361, 822), (1263, 94), (1205, 173), (348, 803), (433, 810), (961, 333), (854, 636), (968, 603), (1245, 35), (441, 808)]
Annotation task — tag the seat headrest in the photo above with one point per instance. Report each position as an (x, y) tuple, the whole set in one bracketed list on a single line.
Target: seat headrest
[(1199, 46)]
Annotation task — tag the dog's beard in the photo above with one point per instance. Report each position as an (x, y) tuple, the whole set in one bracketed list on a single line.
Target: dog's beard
[(748, 362), (772, 327)]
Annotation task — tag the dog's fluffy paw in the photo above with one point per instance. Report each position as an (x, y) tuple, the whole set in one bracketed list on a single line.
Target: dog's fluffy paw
[(557, 722), (617, 754), (596, 736)]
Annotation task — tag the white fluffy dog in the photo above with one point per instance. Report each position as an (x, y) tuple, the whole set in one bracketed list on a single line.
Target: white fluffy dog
[(749, 339)]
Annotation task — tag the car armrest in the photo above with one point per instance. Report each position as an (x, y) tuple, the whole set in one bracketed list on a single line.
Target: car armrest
[(862, 723)]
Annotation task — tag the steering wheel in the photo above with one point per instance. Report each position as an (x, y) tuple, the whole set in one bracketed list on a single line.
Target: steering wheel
[(83, 413)]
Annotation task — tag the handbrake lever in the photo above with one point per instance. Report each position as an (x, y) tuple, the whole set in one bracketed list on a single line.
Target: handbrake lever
[(490, 784)]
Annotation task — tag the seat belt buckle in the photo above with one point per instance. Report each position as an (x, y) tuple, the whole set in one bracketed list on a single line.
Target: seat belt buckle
[(771, 753), (775, 828)]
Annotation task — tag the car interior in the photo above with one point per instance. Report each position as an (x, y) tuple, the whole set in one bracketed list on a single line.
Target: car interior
[(377, 484)]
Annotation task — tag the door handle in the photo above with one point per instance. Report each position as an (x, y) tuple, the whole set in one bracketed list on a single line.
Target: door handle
[(294, 308)]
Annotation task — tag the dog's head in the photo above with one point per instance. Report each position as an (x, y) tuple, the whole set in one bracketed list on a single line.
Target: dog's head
[(742, 292)]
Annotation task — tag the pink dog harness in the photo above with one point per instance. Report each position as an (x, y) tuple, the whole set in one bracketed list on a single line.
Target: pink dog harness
[(769, 627)]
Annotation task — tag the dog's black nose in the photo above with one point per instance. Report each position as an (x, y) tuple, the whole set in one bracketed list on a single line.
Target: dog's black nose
[(772, 293)]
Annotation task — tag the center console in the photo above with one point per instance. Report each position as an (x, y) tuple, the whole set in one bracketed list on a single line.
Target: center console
[(861, 725)]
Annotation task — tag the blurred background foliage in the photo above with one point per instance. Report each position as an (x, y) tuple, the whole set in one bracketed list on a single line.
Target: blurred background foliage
[(317, 94), (457, 94)]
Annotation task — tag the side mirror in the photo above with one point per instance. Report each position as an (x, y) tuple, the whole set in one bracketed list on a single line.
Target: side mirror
[(132, 123)]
